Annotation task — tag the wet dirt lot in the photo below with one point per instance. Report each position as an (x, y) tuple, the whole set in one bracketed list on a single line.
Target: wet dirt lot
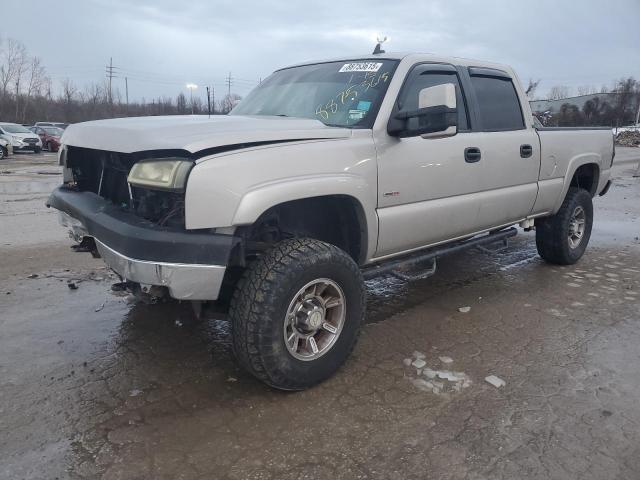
[(94, 386)]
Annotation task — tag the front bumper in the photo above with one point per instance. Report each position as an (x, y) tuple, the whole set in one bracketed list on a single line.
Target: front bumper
[(190, 264)]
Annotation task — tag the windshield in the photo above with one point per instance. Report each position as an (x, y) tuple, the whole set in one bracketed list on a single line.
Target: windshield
[(15, 129), (344, 94), (54, 131)]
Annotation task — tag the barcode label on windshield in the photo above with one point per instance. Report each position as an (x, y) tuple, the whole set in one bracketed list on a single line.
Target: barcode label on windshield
[(360, 67)]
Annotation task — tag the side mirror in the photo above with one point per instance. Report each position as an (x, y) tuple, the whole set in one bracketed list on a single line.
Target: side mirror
[(436, 116)]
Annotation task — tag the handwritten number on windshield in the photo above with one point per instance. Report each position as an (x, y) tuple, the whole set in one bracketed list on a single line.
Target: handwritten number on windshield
[(349, 94)]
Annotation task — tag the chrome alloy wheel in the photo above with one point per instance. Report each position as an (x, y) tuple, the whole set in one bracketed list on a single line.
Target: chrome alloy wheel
[(314, 319), (577, 227)]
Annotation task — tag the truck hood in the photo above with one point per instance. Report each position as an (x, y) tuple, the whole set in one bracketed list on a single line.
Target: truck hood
[(194, 133)]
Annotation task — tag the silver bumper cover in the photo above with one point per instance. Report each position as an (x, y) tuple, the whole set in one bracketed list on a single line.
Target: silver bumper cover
[(184, 281)]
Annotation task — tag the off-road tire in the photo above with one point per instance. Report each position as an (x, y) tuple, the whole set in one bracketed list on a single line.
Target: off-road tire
[(552, 232), (260, 301)]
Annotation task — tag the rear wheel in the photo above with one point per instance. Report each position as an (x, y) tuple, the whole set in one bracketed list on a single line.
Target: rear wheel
[(562, 238), (296, 313)]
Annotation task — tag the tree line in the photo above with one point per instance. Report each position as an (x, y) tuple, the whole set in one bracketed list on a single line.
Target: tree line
[(27, 95), (613, 107)]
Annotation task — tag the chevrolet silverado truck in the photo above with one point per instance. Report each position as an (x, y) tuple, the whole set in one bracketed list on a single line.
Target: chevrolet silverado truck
[(326, 174)]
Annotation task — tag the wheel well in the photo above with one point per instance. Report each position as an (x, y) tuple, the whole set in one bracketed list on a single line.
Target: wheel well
[(587, 177), (335, 219)]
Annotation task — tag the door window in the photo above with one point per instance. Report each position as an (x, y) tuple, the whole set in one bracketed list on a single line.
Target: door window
[(425, 76), (498, 104)]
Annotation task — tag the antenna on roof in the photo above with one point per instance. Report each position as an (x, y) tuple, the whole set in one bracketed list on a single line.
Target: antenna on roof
[(378, 48)]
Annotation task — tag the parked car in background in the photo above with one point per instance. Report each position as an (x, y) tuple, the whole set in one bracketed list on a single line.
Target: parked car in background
[(51, 124), (49, 136), (20, 137), (6, 148)]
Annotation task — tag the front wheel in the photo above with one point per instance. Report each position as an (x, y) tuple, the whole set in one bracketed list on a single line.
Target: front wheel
[(563, 237), (37, 149), (3, 153), (296, 313)]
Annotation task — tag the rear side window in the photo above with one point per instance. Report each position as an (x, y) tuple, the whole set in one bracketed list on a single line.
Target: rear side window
[(498, 103), (424, 77)]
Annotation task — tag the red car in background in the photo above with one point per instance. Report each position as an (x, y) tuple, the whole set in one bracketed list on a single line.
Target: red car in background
[(50, 137)]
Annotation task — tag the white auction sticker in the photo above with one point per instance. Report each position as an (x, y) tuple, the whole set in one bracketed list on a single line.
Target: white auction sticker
[(360, 67)]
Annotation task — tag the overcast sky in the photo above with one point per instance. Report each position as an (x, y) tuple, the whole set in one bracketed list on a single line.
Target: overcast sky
[(162, 45)]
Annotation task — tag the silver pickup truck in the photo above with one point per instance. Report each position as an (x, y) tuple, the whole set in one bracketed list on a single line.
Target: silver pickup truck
[(327, 173)]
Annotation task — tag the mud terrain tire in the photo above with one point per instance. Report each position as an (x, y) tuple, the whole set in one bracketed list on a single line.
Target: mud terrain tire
[(261, 305), (556, 238)]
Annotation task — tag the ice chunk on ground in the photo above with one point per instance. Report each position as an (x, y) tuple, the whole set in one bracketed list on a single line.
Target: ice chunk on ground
[(429, 373), (419, 363), (464, 309), (418, 354), (407, 362), (135, 392), (446, 359), (495, 381)]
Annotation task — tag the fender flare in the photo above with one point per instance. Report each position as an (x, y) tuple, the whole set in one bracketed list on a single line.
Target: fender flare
[(574, 164), (268, 195)]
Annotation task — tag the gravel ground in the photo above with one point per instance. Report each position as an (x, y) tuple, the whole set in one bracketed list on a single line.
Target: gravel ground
[(94, 386)]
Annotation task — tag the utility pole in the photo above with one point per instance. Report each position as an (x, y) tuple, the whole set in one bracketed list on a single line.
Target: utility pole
[(126, 90), (229, 81), (208, 101), (213, 99), (110, 68)]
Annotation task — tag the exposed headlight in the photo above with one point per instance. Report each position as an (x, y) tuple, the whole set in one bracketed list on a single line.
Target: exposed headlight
[(163, 173)]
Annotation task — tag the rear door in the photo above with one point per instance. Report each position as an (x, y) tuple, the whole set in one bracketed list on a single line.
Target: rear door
[(509, 148)]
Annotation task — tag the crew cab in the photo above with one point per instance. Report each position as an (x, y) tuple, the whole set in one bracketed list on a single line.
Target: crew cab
[(326, 173)]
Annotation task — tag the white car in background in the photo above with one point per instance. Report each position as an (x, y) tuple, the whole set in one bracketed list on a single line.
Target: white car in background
[(6, 148), (20, 137)]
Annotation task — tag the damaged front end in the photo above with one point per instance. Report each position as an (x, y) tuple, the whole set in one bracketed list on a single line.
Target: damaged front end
[(130, 209)]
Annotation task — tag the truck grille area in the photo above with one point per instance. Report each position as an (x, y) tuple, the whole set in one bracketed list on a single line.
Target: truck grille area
[(105, 173)]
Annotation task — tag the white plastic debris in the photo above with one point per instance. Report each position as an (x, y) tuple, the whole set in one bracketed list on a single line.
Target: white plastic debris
[(419, 363), (495, 381), (464, 309), (446, 359)]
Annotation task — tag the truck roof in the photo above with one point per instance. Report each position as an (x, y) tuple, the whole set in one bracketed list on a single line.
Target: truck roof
[(414, 57)]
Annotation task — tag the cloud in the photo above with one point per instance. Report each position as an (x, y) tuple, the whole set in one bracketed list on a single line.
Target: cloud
[(160, 45)]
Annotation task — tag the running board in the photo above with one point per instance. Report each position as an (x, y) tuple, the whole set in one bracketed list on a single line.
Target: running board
[(412, 259)]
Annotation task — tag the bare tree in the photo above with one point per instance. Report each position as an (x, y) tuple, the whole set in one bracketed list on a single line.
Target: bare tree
[(228, 102), (531, 88), (10, 57), (559, 92), (36, 75), (587, 90), (21, 63)]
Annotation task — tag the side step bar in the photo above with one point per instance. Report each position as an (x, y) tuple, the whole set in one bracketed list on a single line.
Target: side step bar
[(415, 258)]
